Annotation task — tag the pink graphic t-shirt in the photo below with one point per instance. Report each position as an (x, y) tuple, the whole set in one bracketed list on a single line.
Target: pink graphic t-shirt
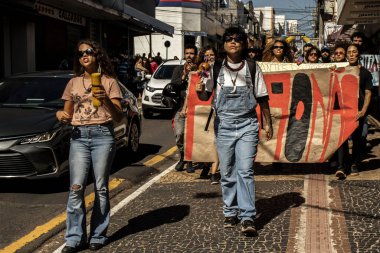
[(78, 90)]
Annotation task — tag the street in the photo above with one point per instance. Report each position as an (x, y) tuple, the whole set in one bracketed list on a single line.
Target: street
[(301, 208), (24, 204)]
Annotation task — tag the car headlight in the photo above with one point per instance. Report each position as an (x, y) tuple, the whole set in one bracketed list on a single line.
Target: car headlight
[(150, 89), (44, 137)]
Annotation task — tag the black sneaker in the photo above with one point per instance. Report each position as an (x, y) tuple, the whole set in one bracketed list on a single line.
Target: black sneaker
[(248, 227), (354, 170), (230, 222), (340, 174), (180, 165), (214, 179)]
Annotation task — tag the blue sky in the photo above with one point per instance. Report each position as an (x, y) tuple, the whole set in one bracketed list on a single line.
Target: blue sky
[(292, 9)]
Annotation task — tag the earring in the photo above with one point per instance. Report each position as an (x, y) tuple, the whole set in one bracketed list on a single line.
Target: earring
[(99, 69)]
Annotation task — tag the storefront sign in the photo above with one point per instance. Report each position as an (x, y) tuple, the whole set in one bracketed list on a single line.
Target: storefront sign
[(63, 15)]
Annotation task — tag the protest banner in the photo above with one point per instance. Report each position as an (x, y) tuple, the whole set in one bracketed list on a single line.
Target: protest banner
[(313, 111), (372, 63)]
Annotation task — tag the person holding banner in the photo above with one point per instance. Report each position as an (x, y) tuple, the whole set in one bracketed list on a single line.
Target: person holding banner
[(239, 86), (180, 83), (92, 142), (365, 87)]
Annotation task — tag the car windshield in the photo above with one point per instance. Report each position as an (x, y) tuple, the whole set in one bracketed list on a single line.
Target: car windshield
[(165, 72), (32, 91)]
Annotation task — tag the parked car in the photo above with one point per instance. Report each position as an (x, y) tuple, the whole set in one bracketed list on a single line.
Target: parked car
[(152, 94), (33, 144)]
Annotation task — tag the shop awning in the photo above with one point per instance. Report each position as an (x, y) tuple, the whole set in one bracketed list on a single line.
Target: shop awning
[(147, 21), (358, 12)]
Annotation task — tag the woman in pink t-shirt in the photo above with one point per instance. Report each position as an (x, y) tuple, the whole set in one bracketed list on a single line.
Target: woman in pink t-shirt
[(92, 143)]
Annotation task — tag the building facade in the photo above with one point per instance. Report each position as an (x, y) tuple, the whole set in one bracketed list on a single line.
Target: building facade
[(40, 35), (199, 22)]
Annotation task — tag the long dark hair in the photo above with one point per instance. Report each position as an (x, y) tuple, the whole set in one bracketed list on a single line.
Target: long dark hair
[(101, 58), (202, 54), (268, 51)]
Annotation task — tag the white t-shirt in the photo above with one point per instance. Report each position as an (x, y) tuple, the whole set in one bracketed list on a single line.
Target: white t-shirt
[(260, 87)]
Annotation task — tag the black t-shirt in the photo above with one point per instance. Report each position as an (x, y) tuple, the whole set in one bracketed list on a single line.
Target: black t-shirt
[(365, 83)]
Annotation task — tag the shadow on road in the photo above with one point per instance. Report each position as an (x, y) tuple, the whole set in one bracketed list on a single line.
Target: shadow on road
[(270, 208), (152, 219)]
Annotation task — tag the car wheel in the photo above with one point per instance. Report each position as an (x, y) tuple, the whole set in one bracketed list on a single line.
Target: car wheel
[(134, 138), (147, 114)]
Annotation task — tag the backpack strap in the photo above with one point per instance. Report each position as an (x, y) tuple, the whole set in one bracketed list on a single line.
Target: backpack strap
[(252, 71), (216, 70)]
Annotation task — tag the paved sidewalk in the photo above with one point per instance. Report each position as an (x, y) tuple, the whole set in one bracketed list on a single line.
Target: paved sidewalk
[(301, 208)]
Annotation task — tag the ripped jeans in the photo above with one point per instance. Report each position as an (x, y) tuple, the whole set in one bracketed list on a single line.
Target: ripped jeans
[(90, 145)]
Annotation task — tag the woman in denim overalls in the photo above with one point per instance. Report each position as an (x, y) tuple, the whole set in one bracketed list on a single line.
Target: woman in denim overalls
[(237, 127)]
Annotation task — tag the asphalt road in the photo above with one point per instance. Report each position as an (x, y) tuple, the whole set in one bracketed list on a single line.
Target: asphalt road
[(25, 204)]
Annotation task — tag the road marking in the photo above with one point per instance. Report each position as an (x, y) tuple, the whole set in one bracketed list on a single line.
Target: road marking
[(132, 196), (48, 226), (159, 158), (89, 199)]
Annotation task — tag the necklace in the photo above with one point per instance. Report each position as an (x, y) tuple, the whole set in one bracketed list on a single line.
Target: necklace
[(242, 64), (86, 90), (233, 80)]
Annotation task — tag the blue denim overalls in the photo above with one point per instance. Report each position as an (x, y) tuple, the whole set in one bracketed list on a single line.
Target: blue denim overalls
[(236, 130)]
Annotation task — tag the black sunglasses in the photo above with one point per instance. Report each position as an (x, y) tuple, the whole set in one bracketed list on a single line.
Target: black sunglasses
[(237, 39), (278, 47), (88, 51)]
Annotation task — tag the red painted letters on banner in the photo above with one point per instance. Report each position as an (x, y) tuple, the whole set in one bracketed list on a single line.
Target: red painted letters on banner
[(313, 113)]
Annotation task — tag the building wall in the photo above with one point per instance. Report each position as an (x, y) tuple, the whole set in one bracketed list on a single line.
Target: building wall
[(279, 24), (267, 19)]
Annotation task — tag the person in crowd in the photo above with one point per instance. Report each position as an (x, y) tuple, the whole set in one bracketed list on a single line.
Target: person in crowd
[(313, 55), (254, 53), (208, 55), (239, 85), (92, 144), (278, 52), (340, 52), (303, 58), (325, 54), (158, 58), (360, 39), (153, 64), (141, 71), (292, 53), (365, 91), (123, 69), (180, 82)]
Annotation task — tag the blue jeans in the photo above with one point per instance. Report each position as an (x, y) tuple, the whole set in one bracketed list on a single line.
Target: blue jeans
[(90, 145), (237, 147)]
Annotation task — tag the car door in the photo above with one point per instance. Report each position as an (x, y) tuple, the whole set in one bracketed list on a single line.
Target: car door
[(122, 127)]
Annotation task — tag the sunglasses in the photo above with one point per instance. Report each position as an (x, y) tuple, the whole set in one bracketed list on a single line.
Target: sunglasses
[(88, 51), (278, 47), (313, 54), (339, 52), (237, 39)]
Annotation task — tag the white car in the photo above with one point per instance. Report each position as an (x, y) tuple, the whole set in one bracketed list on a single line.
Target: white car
[(152, 94)]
